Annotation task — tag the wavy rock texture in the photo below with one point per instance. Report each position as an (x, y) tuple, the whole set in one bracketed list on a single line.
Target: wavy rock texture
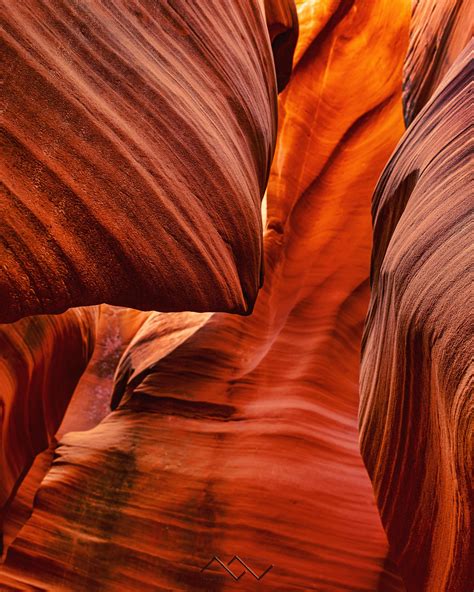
[(91, 400), (137, 145), (416, 378), (66, 407), (239, 435), (439, 32), (20, 506), (42, 361)]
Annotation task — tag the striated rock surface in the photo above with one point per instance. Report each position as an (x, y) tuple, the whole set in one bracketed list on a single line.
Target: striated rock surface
[(417, 377), (137, 143), (44, 351), (42, 359), (238, 435), (439, 32), (20, 504)]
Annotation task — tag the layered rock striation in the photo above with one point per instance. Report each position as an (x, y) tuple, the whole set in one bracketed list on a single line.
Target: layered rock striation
[(238, 435), (42, 359), (439, 31), (137, 142), (417, 378)]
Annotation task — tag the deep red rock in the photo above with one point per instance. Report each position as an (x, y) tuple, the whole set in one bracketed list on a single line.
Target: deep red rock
[(238, 435), (416, 379), (42, 359), (137, 142), (439, 31)]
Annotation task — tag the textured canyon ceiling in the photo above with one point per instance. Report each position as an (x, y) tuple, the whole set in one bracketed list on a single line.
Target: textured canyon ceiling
[(134, 132), (140, 140)]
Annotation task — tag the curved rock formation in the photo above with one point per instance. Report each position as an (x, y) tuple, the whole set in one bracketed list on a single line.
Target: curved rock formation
[(417, 379), (238, 436), (282, 22), (137, 138), (42, 359), (91, 400), (49, 387), (439, 32)]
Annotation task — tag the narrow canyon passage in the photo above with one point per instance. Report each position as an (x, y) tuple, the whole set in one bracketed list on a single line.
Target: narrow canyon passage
[(138, 446)]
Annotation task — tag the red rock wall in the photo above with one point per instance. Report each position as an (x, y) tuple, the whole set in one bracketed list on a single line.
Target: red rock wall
[(239, 435), (416, 378), (137, 145), (438, 33), (42, 359), (46, 367), (91, 400)]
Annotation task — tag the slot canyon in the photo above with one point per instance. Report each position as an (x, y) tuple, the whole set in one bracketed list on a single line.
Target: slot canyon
[(236, 296)]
